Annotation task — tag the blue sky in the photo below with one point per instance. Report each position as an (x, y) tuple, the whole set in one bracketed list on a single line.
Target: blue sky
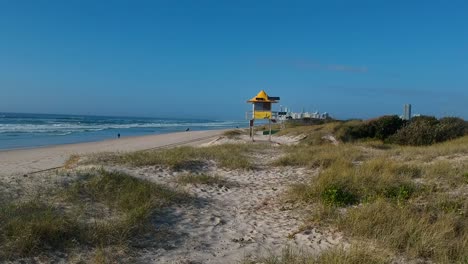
[(206, 58)]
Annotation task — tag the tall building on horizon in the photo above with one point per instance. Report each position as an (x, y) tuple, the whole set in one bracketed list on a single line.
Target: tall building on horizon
[(407, 112)]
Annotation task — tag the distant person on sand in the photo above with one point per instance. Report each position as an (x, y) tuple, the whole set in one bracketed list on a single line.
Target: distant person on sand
[(118, 135), (188, 128)]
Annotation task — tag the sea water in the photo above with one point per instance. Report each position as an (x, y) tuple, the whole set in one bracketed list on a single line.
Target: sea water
[(34, 130)]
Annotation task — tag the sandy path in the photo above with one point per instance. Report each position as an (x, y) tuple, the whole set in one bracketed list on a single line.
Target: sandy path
[(23, 161), (229, 223)]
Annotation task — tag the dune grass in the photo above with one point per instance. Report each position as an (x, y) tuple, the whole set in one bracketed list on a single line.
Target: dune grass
[(35, 227), (356, 254), (233, 133), (429, 153), (343, 183), (71, 161), (31, 227), (409, 200), (321, 156), (417, 231), (231, 156), (309, 129)]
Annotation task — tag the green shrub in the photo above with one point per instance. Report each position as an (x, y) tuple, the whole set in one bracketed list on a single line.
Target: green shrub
[(385, 126), (427, 130), (379, 128), (338, 196), (419, 131), (352, 130), (450, 128), (400, 192)]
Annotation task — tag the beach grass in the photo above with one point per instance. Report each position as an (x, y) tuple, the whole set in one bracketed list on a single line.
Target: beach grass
[(343, 183), (72, 216), (233, 133), (319, 156), (355, 254), (456, 147), (421, 233), (409, 200), (31, 227), (71, 161), (231, 156)]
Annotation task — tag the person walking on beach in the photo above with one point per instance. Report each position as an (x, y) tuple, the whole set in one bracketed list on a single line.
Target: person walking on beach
[(118, 135)]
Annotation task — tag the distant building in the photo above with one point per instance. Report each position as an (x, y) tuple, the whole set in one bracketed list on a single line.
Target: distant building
[(407, 112), (303, 115)]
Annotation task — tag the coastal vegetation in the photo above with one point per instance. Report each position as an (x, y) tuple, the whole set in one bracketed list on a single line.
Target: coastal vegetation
[(100, 209), (233, 133), (421, 130), (406, 201), (231, 156), (356, 254)]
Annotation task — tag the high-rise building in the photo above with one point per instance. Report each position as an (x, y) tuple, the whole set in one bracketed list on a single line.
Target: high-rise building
[(407, 112)]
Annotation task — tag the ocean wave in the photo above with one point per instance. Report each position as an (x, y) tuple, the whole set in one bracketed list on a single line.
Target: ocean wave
[(80, 127)]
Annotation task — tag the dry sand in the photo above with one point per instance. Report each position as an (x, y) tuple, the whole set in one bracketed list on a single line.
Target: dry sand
[(24, 161)]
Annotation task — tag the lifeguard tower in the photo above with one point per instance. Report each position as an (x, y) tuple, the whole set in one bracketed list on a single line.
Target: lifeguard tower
[(261, 110)]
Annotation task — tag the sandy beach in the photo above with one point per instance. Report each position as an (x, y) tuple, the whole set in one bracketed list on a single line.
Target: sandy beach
[(24, 161), (224, 223)]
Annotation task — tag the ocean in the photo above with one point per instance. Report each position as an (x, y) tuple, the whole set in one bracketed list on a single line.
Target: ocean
[(34, 130)]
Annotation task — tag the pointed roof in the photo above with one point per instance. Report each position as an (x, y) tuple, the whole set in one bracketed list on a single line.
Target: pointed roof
[(262, 96)]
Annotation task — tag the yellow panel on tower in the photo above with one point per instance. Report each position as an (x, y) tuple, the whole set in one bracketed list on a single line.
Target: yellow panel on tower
[(262, 115)]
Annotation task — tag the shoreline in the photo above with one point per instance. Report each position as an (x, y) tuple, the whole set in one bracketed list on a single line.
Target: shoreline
[(103, 140), (29, 160)]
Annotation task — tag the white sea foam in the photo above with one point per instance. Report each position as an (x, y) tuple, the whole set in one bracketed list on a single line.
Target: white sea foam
[(80, 127)]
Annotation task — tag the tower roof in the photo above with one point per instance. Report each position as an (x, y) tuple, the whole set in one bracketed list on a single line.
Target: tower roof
[(263, 97)]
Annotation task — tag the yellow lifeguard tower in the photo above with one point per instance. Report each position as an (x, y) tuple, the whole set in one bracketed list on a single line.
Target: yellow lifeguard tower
[(261, 109)]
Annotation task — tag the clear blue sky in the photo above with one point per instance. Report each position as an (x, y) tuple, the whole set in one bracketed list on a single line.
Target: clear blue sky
[(206, 58)]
